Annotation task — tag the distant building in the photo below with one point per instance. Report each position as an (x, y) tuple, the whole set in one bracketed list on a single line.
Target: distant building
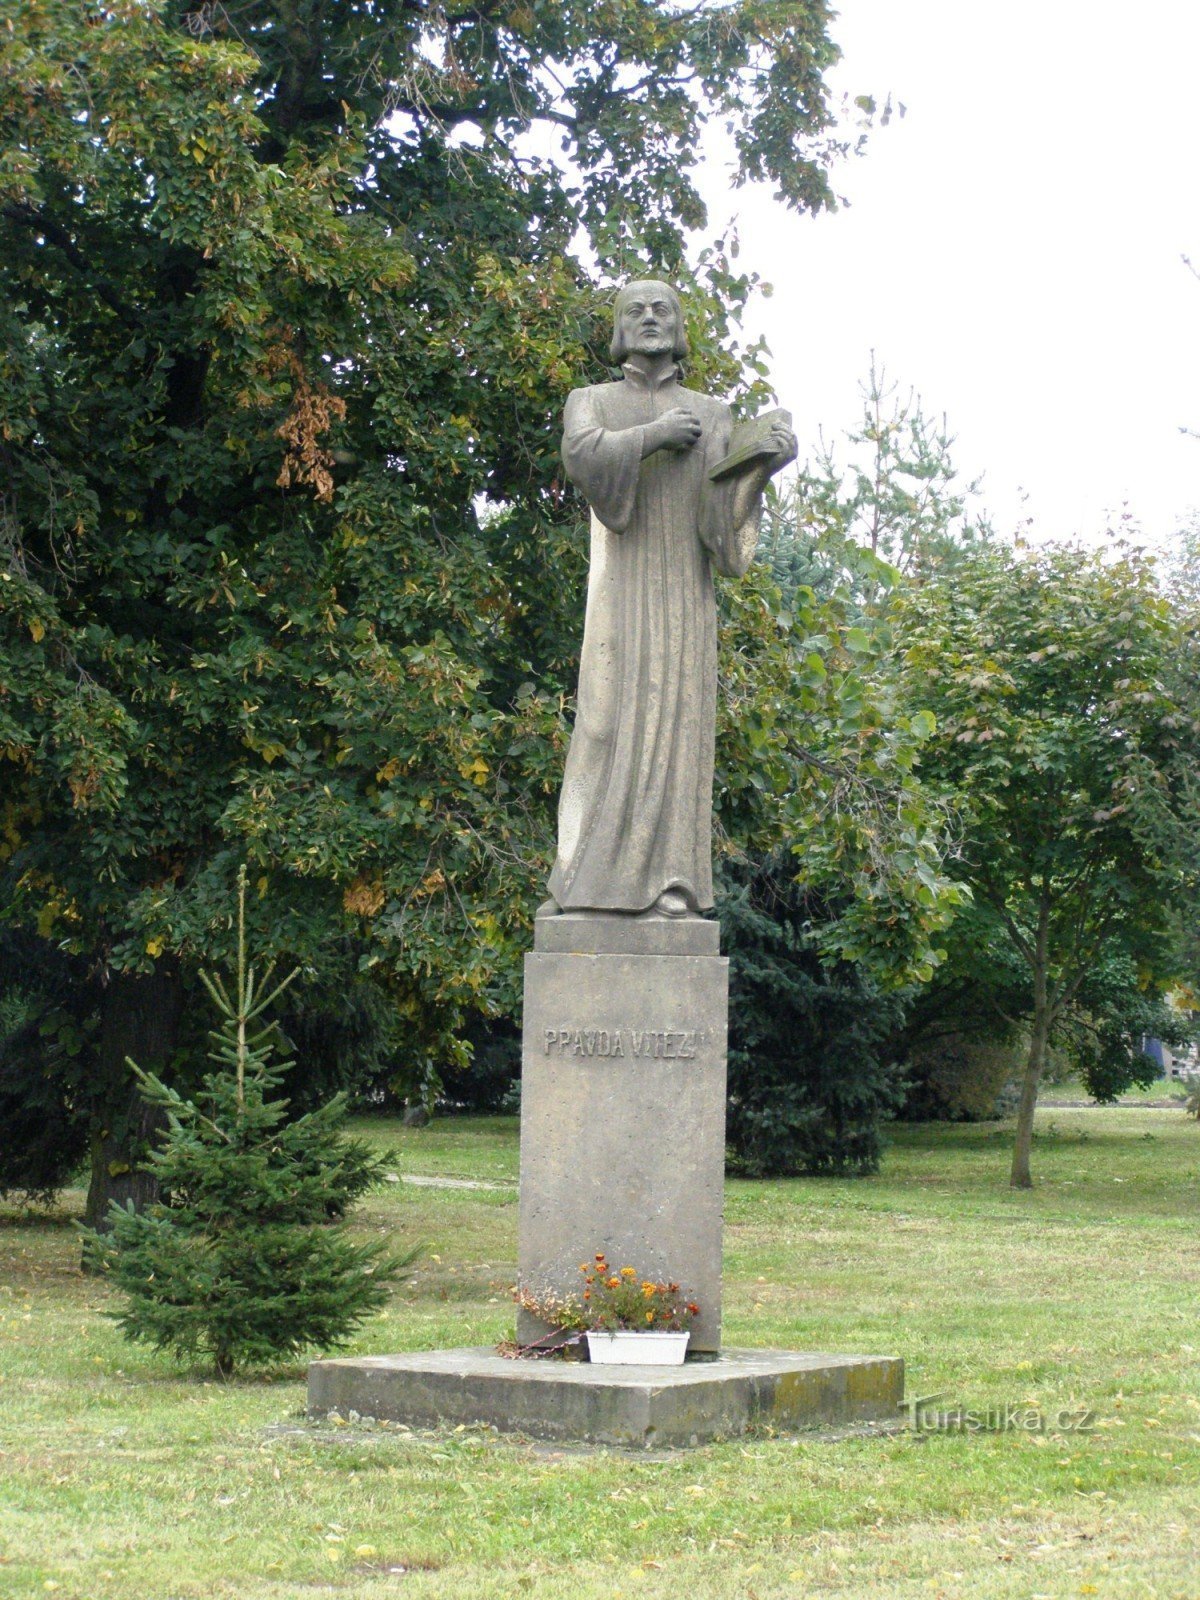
[(1184, 1063)]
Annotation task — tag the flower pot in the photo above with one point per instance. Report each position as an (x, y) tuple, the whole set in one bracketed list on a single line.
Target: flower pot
[(626, 1347)]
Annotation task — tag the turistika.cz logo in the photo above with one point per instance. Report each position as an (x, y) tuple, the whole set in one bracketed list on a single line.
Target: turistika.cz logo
[(926, 1414)]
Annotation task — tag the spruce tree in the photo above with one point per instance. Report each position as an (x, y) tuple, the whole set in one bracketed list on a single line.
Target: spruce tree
[(246, 1258), (810, 1082)]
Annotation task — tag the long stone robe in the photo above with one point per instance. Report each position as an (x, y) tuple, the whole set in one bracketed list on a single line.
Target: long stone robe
[(635, 812)]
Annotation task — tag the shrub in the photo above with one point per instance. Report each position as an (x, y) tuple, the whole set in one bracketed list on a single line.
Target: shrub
[(961, 1076)]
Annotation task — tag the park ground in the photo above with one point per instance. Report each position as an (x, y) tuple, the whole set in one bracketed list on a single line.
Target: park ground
[(123, 1478)]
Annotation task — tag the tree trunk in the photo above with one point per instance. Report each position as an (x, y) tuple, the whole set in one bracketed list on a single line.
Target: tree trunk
[(1043, 1020), (1035, 1062), (140, 1020)]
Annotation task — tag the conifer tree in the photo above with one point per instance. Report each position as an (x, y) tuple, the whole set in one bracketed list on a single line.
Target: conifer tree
[(245, 1259)]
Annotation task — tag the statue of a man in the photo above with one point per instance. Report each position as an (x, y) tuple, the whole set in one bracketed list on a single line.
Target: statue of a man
[(635, 813)]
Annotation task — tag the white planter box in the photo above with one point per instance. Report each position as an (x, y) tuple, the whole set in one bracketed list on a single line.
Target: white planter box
[(628, 1348)]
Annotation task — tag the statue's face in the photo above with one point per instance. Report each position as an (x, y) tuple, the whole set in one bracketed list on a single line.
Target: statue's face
[(648, 319)]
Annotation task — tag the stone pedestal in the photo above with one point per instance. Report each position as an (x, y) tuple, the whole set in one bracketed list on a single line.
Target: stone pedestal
[(622, 1150), (623, 1106), (632, 1407)]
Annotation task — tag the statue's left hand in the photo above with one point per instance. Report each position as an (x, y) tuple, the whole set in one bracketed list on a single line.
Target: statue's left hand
[(786, 447)]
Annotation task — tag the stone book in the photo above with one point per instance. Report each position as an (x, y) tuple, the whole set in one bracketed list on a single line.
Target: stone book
[(750, 442)]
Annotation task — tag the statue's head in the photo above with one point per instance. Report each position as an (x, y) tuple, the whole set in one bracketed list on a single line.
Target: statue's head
[(648, 320)]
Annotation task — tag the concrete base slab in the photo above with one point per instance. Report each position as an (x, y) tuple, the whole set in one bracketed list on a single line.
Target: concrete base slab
[(631, 1407)]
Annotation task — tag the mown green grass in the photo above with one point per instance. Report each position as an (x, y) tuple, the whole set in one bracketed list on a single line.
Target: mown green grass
[(1162, 1093), (123, 1479)]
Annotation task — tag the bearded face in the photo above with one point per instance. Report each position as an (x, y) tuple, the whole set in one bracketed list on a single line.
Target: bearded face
[(648, 321)]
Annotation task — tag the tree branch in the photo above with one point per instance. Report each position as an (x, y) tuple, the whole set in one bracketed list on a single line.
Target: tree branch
[(1014, 932), (54, 232)]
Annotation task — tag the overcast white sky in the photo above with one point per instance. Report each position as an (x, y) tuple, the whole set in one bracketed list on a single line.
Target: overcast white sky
[(1011, 251)]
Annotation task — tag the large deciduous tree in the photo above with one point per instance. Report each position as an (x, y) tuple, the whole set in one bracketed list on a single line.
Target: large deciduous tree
[(1062, 726), (290, 296)]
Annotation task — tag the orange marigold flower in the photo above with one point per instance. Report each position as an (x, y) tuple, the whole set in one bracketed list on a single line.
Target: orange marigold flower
[(613, 1283), (628, 1272), (693, 1308), (649, 1288), (649, 1316), (600, 1257)]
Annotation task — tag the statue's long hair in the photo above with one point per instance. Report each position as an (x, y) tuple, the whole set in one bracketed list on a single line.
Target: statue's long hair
[(618, 350)]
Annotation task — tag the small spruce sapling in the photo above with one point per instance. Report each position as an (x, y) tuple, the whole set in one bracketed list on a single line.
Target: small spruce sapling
[(246, 1260)]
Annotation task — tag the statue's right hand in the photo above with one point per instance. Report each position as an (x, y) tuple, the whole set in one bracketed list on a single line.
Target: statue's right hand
[(677, 429)]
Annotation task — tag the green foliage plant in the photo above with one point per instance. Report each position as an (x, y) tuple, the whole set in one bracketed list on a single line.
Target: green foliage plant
[(245, 1260), (810, 1077), (43, 1045), (837, 889), (960, 1074), (897, 496), (1064, 731), (819, 754), (290, 300), (291, 297), (1121, 1004)]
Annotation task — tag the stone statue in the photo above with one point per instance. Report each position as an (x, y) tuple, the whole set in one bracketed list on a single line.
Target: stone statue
[(675, 491)]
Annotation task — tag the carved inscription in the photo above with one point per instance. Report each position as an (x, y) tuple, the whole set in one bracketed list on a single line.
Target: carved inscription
[(670, 1044)]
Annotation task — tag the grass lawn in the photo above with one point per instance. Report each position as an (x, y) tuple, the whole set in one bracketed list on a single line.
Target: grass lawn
[(122, 1478), (1163, 1093)]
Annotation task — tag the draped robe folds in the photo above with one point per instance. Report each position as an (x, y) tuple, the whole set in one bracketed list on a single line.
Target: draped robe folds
[(635, 813)]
